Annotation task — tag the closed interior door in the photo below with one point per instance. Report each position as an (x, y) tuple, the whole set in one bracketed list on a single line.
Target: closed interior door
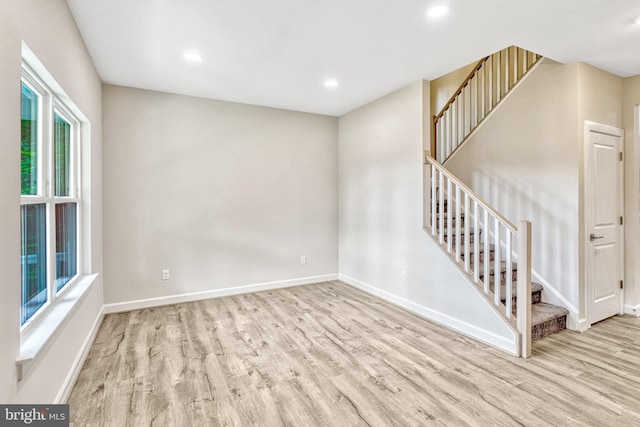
[(604, 198)]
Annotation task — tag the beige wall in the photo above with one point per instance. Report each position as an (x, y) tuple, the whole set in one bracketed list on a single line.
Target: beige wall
[(381, 217), (221, 194), (599, 96), (50, 32), (631, 101)]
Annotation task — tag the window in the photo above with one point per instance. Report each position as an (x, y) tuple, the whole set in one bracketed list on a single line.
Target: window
[(50, 201)]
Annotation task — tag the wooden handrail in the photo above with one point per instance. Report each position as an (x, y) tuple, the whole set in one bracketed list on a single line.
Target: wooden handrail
[(439, 167), (461, 88)]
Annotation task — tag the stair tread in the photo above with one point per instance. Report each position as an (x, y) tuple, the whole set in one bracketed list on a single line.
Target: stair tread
[(446, 214), (543, 312), (455, 232), (492, 267), (454, 219), (458, 235), (471, 247)]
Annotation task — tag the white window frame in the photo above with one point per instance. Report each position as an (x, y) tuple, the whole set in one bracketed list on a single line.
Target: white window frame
[(49, 105)]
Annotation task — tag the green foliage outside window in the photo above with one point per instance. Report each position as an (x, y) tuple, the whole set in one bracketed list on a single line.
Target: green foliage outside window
[(29, 142)]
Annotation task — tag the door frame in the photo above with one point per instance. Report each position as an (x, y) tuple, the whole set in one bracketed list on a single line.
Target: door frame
[(589, 127)]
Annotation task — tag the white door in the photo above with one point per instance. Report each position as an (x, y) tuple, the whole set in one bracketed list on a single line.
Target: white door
[(603, 202)]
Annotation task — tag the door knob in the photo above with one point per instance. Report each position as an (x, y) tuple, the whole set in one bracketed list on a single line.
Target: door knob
[(593, 237)]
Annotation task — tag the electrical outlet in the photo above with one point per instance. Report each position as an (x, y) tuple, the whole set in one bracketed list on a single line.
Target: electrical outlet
[(403, 275), (166, 275), (303, 259)]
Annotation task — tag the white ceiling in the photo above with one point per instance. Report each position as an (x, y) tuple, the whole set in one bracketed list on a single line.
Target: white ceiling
[(277, 53)]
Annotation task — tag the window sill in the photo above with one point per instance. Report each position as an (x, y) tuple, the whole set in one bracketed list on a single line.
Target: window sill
[(42, 334)]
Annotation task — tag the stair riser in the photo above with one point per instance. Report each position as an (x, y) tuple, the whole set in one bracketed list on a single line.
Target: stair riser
[(547, 328), (503, 276), (503, 270), (492, 256), (453, 224), (445, 204), (536, 297), (462, 239), (445, 211)]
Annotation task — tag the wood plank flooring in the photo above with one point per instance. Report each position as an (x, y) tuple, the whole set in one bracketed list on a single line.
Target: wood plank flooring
[(330, 355)]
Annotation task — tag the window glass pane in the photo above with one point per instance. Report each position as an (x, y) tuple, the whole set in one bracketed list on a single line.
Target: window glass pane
[(62, 155), (66, 243), (29, 141), (33, 259)]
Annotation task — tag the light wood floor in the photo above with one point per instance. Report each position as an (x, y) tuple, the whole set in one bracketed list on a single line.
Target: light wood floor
[(330, 355)]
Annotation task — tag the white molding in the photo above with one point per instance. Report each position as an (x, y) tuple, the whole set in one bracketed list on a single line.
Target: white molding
[(74, 372), (583, 325), (573, 317), (633, 310), (483, 335), (41, 335), (215, 293)]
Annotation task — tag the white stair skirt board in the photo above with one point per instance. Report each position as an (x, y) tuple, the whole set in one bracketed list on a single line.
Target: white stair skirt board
[(214, 293), (510, 345)]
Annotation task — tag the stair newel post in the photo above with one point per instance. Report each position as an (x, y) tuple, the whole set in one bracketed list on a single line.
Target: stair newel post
[(524, 287), (435, 150), (427, 191)]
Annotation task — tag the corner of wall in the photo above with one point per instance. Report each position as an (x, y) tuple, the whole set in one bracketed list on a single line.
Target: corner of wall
[(381, 218), (426, 116)]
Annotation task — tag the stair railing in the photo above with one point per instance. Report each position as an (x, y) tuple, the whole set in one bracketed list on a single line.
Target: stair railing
[(488, 83), (464, 226)]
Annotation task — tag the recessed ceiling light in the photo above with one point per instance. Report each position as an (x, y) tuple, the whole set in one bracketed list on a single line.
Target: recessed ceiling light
[(331, 83), (193, 56), (636, 20), (437, 11)]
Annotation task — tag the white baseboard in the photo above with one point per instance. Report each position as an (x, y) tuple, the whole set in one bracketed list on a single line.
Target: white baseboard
[(215, 293), (583, 325), (633, 310), (72, 376), (487, 337)]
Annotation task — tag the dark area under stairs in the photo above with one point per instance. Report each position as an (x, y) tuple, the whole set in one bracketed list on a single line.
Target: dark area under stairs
[(546, 319)]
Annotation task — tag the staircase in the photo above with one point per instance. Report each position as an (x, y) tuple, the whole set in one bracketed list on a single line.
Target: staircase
[(494, 253), (546, 319), (490, 81)]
